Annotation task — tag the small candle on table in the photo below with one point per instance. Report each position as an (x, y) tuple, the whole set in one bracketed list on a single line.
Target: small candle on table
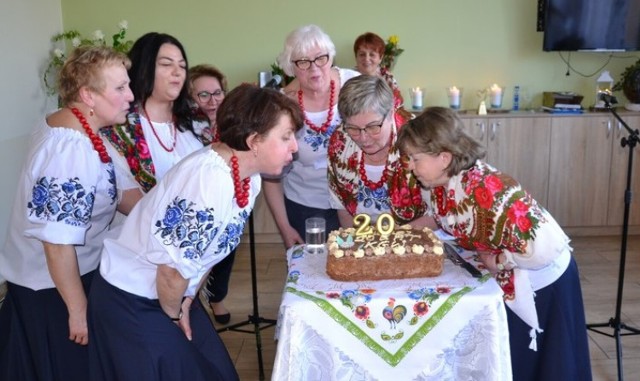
[(416, 98), (496, 96), (454, 97)]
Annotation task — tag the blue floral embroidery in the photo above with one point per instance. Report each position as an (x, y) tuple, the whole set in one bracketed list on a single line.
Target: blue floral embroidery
[(67, 202), (378, 198), (190, 230), (230, 237), (318, 139), (113, 190)]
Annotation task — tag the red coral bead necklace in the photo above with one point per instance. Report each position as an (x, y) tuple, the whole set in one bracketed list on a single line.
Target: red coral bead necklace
[(172, 126), (240, 188), (385, 171), (332, 95), (98, 145), (365, 179)]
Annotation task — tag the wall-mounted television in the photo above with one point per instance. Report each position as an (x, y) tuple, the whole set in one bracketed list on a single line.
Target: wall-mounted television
[(591, 25)]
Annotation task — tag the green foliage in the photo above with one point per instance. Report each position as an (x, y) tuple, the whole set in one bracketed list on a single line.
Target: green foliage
[(626, 73), (275, 69), (392, 51), (75, 39)]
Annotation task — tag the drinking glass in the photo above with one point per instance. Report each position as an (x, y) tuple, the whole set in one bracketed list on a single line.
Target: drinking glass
[(315, 235)]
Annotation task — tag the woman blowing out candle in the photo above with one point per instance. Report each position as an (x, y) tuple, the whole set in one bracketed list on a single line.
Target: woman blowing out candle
[(145, 317), (516, 239)]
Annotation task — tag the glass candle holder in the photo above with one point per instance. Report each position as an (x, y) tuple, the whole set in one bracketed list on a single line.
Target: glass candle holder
[(416, 96), (496, 94), (455, 97)]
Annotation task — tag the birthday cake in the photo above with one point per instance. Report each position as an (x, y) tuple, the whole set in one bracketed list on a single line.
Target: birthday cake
[(383, 253)]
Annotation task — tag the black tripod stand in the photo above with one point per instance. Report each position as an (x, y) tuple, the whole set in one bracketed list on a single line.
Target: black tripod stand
[(259, 323), (615, 322)]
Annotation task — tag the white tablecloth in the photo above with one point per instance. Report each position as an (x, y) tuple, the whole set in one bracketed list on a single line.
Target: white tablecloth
[(450, 327)]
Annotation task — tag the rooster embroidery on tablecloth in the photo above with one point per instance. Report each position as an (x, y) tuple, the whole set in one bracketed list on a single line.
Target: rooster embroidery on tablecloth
[(394, 314)]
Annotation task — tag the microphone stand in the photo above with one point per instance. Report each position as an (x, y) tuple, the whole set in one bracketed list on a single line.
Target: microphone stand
[(615, 322), (254, 319)]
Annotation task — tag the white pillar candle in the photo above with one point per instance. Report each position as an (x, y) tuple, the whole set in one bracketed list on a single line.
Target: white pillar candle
[(454, 97), (496, 96), (416, 98)]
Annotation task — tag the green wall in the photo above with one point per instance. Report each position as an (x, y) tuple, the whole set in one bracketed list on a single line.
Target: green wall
[(468, 43)]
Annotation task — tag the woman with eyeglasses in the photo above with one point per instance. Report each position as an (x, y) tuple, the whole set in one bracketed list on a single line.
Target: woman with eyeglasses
[(367, 173), (516, 239), (207, 87), (369, 52), (161, 127), (303, 191)]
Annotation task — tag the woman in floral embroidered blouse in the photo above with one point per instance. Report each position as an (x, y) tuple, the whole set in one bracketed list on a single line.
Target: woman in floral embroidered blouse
[(516, 239), (302, 190), (369, 51), (207, 87), (65, 201), (367, 174), (161, 128), (145, 318)]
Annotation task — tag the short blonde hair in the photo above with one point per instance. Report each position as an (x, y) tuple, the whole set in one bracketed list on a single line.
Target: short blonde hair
[(300, 41), (84, 67), (439, 129)]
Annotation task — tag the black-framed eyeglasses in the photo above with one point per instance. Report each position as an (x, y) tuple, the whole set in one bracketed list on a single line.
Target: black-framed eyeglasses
[(320, 61), (371, 129), (206, 96)]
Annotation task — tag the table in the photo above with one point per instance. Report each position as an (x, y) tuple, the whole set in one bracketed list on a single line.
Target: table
[(450, 327)]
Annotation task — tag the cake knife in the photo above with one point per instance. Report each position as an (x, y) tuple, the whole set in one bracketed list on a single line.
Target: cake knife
[(453, 255)]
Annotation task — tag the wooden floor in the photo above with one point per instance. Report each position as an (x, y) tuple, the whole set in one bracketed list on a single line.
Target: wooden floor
[(598, 260)]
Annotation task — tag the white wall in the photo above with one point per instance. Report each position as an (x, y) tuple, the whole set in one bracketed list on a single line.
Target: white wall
[(26, 27)]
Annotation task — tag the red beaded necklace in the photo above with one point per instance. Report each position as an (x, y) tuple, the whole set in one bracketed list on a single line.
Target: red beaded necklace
[(365, 179), (241, 189), (445, 202), (168, 149), (98, 145), (385, 171), (323, 128)]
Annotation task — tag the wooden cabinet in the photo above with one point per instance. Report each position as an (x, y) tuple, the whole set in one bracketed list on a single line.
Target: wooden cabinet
[(519, 147), (579, 171), (618, 179)]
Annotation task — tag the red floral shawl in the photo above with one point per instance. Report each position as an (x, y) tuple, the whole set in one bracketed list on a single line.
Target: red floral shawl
[(344, 179)]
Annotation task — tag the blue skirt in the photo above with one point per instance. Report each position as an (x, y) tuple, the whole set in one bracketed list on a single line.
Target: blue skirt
[(563, 348), (133, 339), (34, 336)]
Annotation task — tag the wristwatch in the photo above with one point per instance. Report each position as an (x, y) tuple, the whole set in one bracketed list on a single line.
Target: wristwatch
[(179, 316)]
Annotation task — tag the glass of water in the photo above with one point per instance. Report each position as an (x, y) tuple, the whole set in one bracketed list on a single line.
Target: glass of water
[(315, 235)]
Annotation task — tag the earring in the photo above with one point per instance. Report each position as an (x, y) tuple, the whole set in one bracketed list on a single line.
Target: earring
[(255, 152), (90, 112)]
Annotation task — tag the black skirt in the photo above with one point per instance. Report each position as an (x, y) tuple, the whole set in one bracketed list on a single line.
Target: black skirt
[(133, 339), (34, 336), (563, 348)]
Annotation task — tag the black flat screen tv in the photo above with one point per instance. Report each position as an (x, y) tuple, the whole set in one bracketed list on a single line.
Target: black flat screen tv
[(591, 25)]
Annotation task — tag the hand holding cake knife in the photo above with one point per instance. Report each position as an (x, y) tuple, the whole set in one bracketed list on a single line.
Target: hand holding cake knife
[(453, 255)]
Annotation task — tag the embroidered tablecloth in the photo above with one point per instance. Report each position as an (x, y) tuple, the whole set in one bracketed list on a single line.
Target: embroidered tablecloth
[(450, 327)]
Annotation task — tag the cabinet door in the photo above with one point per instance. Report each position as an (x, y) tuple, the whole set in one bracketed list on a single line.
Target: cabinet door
[(477, 127), (520, 147), (619, 162), (579, 170)]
